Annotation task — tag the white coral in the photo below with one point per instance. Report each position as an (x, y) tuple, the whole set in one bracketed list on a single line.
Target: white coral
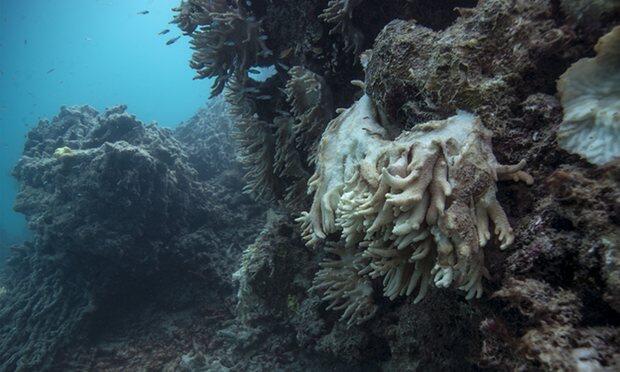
[(418, 206), (343, 287), (590, 94)]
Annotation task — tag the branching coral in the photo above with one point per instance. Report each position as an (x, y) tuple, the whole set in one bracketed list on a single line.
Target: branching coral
[(194, 13), (419, 206), (590, 93), (311, 105), (226, 39), (339, 13), (277, 142), (255, 141), (344, 287)]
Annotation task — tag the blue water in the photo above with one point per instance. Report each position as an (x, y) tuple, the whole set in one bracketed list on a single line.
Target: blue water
[(103, 53)]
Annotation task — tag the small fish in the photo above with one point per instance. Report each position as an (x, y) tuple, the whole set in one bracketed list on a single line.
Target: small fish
[(229, 43), (163, 32), (144, 12), (263, 37), (264, 98), (173, 40), (51, 70), (254, 71)]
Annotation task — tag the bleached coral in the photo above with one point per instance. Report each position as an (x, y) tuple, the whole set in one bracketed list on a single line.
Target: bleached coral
[(590, 94), (344, 287), (418, 206)]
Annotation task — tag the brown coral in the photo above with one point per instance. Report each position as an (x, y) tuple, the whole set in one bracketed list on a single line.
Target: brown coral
[(226, 39)]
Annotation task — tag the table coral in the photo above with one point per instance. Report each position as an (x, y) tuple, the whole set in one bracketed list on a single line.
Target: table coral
[(590, 94), (418, 206)]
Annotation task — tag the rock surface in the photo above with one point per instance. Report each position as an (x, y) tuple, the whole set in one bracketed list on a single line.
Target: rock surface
[(121, 218)]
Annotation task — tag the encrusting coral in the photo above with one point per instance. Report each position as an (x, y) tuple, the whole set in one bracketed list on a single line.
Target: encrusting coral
[(590, 94), (418, 206)]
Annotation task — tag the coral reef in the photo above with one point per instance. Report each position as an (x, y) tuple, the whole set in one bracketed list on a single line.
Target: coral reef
[(124, 211), (590, 95), (407, 200), (208, 140)]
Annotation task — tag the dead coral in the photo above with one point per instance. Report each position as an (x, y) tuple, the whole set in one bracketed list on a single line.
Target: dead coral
[(553, 339), (482, 63)]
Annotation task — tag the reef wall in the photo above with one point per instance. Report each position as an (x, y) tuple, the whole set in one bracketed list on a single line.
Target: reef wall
[(408, 196)]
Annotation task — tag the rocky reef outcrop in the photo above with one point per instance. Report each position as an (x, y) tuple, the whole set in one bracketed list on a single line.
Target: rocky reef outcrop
[(118, 208)]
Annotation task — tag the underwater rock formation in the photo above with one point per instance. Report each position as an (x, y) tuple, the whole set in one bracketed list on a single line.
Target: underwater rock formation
[(481, 63), (552, 340), (590, 95), (208, 141), (121, 209)]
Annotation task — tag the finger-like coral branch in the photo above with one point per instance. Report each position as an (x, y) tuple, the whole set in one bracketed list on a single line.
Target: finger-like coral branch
[(343, 287), (339, 14), (419, 205)]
